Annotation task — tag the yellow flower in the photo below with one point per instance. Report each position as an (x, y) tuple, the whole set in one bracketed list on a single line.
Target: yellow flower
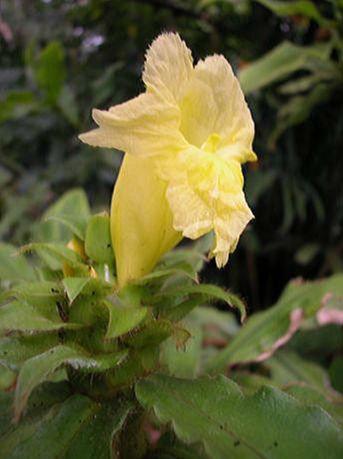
[(185, 139)]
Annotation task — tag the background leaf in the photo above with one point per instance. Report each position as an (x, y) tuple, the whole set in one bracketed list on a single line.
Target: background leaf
[(267, 424), (280, 62), (37, 369), (74, 429), (264, 329), (14, 267)]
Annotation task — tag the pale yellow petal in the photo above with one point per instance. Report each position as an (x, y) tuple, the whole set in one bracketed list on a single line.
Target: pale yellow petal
[(191, 215), (229, 117), (205, 193), (141, 220), (168, 66), (199, 111), (145, 125)]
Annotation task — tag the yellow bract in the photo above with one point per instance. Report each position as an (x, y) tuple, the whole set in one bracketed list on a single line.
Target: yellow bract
[(185, 139)]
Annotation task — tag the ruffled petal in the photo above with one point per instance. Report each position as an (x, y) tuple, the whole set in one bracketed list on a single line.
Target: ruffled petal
[(230, 116), (205, 193), (168, 67), (228, 228), (145, 125)]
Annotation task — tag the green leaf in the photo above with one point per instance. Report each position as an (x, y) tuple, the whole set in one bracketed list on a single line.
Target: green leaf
[(154, 333), (68, 105), (300, 7), (24, 318), (14, 267), (183, 361), (306, 253), (288, 367), (207, 292), (265, 425), (76, 224), (14, 350), (311, 396), (299, 108), (17, 105), (40, 367), (169, 447), (221, 323), (161, 274), (50, 70), (41, 293), (123, 319), (90, 286), (98, 244), (265, 331), (7, 377), (55, 254), (77, 428), (72, 207), (277, 64)]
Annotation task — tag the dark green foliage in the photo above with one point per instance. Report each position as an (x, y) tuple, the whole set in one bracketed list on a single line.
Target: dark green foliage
[(73, 350), (61, 60)]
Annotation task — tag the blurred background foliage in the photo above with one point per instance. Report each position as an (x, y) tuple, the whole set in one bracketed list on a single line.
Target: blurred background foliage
[(60, 58)]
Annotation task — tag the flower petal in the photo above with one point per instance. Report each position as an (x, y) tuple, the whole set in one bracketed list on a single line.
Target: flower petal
[(230, 115), (145, 125), (141, 220), (205, 193), (168, 66)]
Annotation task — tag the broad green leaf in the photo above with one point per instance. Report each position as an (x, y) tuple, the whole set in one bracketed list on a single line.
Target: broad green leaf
[(137, 365), (279, 63), (77, 428), (14, 267), (55, 254), (177, 310), (221, 323), (265, 331), (288, 367), (160, 274), (122, 320), (24, 318), (183, 361), (169, 447), (75, 223), (208, 292), (98, 244), (14, 350), (265, 425), (50, 70), (17, 105), (7, 377), (299, 108), (40, 367), (299, 7), (308, 394), (190, 259), (89, 286), (299, 85), (154, 333), (72, 206), (311, 396), (41, 294)]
